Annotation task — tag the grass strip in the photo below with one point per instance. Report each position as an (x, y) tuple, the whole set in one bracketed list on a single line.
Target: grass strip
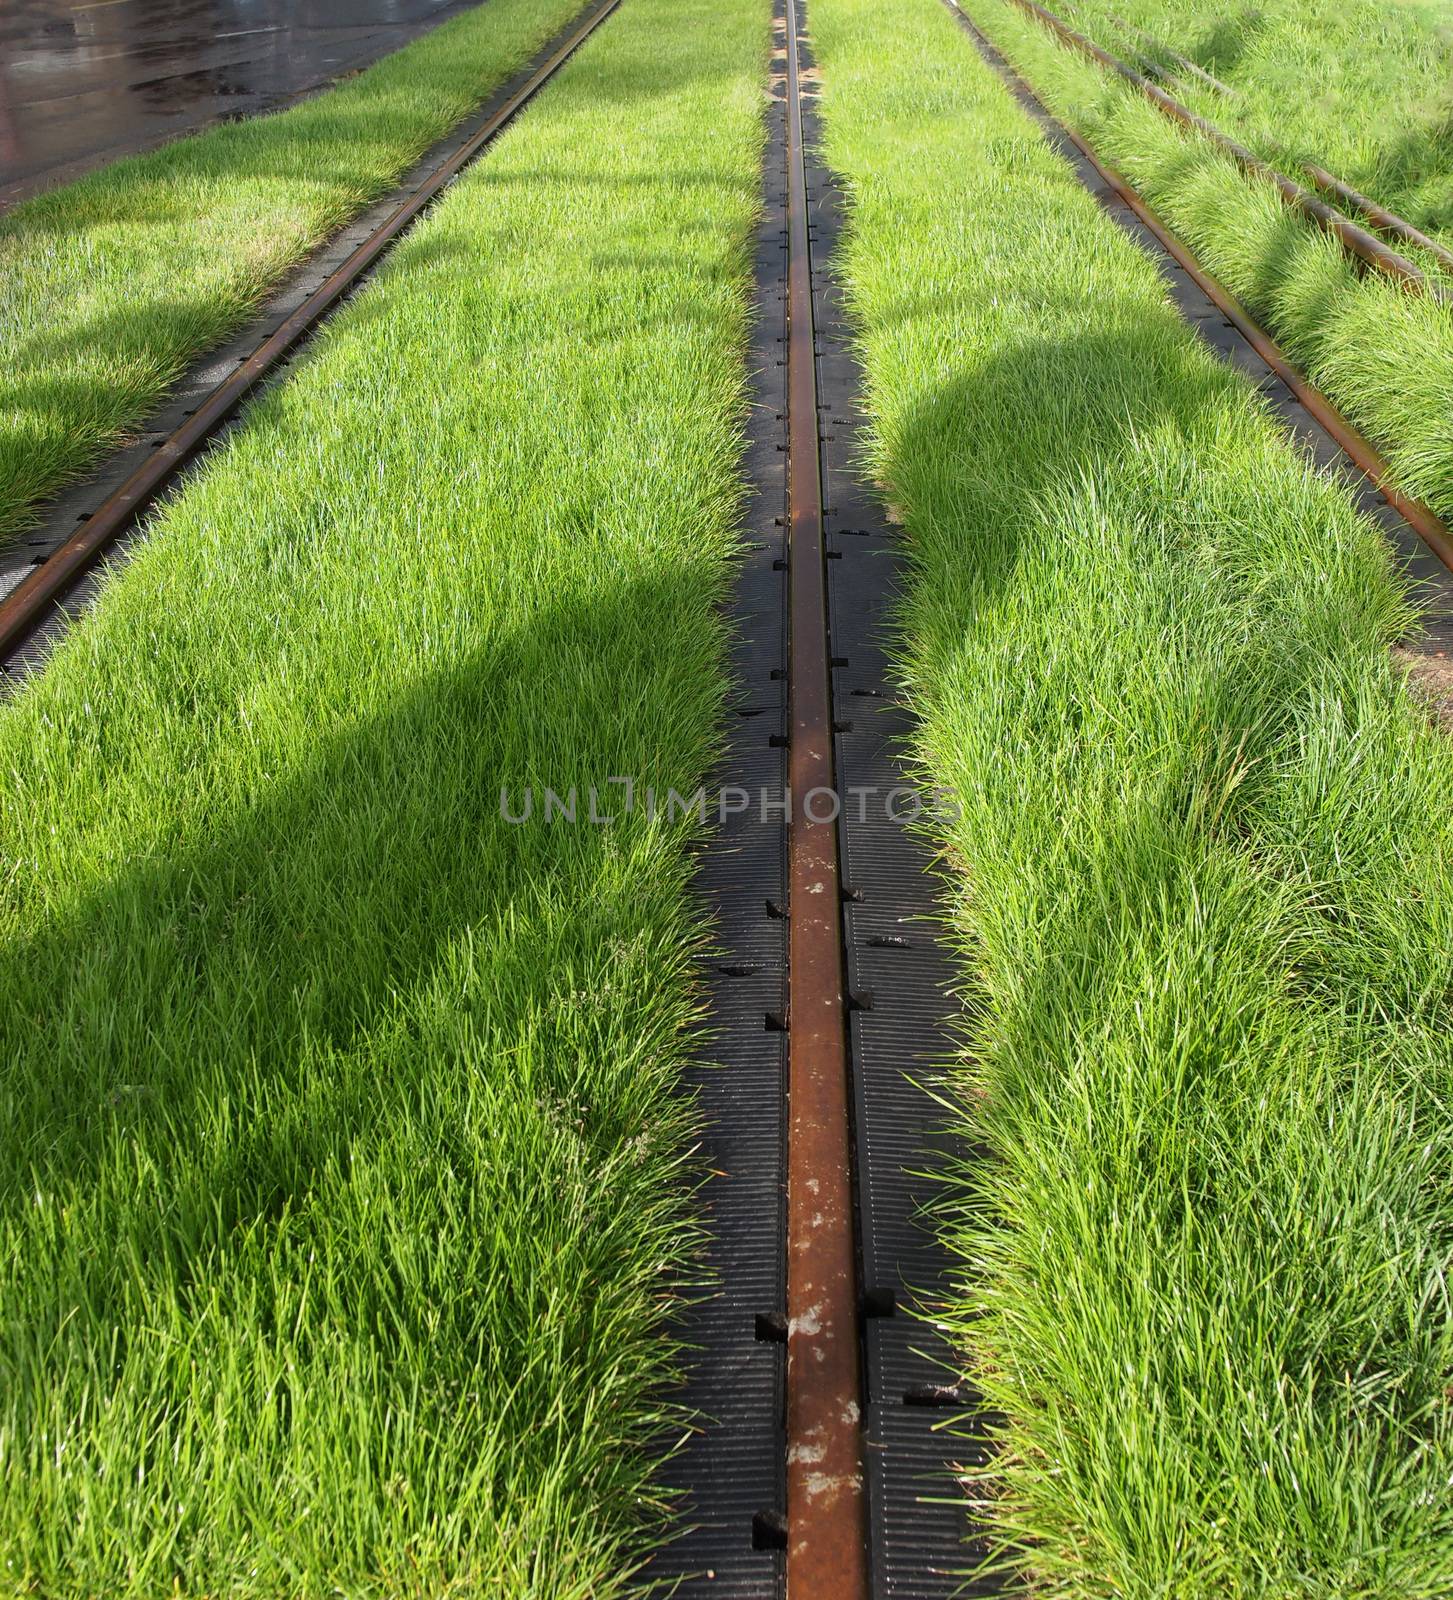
[(109, 286), (344, 1168), (1359, 86), (1383, 355), (1201, 882)]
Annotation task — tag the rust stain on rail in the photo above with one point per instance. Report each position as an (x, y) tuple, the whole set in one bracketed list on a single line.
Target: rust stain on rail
[(34, 600), (826, 1504)]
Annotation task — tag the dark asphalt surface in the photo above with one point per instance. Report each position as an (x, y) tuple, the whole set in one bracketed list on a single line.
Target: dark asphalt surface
[(85, 81)]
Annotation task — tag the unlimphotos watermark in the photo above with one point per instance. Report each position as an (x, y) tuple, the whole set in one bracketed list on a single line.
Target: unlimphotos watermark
[(598, 806)]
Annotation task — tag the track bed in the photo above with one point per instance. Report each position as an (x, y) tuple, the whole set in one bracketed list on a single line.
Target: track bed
[(829, 1171)]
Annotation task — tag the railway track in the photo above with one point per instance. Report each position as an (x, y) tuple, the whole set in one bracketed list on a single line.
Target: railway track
[(833, 1474), (825, 1472), (1383, 220), (1418, 535), (64, 553), (1158, 50), (1380, 217), (824, 1469), (1363, 247)]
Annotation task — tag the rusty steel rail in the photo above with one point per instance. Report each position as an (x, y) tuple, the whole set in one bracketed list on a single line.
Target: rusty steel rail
[(1363, 246), (1358, 449), (826, 1498), (1379, 216), (33, 601)]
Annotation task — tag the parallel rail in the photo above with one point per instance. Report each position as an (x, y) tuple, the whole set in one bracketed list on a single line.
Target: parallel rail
[(1184, 63), (35, 600), (1379, 216), (829, 1381)]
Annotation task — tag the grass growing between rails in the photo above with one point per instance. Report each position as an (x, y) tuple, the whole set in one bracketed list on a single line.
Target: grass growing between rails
[(1364, 87), (1383, 355), (1202, 882), (109, 286), (343, 1169)]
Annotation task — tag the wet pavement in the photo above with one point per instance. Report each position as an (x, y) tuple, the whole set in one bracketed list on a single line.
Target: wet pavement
[(82, 83)]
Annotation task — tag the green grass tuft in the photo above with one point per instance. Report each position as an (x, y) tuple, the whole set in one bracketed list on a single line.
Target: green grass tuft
[(345, 1169), (1203, 882)]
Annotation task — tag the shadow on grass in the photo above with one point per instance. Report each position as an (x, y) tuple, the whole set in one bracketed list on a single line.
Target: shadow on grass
[(203, 987), (1142, 692), (1239, 651), (1419, 157), (1221, 46)]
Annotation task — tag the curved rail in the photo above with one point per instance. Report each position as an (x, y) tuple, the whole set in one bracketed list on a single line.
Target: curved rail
[(33, 601)]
